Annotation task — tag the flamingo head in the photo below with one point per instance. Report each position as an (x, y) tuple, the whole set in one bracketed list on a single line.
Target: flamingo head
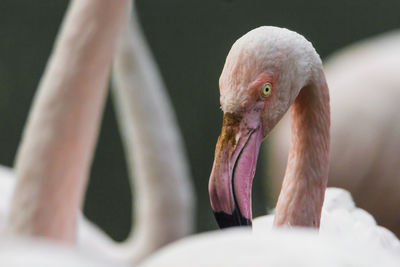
[(263, 74)]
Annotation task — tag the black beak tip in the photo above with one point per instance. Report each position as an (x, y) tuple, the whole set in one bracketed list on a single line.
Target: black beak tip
[(226, 220)]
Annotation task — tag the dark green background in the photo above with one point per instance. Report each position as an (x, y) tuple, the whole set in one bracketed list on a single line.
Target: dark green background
[(190, 40)]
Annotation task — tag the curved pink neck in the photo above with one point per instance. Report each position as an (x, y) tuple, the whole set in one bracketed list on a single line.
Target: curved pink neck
[(302, 195), (54, 157)]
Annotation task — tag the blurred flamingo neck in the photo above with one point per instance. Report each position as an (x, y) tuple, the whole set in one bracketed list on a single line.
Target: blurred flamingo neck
[(302, 195), (54, 157)]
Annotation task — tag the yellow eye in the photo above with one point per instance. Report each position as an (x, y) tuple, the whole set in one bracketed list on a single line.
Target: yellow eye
[(266, 89)]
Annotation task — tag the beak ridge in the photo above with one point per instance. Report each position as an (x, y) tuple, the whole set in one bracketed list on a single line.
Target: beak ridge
[(233, 171)]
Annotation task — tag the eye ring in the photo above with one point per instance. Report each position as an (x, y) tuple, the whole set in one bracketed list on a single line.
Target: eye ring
[(266, 90)]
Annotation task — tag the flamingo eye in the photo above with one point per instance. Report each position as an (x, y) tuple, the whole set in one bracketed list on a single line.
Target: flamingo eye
[(266, 89)]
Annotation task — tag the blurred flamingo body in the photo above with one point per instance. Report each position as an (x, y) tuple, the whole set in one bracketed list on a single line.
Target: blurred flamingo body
[(57, 146), (36, 252), (54, 158)]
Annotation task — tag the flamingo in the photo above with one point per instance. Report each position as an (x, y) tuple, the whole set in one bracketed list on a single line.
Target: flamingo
[(154, 149), (266, 71), (56, 150), (54, 157), (365, 131)]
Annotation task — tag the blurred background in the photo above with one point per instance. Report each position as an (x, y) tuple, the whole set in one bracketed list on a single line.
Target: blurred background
[(190, 40)]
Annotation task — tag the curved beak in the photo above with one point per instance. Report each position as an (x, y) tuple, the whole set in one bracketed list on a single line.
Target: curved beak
[(234, 167)]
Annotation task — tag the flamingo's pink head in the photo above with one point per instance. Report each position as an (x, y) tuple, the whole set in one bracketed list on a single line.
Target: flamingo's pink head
[(263, 74)]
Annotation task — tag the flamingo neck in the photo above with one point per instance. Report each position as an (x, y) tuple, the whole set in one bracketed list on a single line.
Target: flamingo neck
[(54, 157), (302, 195), (163, 195)]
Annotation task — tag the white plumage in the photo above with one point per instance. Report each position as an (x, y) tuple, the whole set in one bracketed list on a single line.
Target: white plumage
[(41, 253), (297, 247), (90, 238), (341, 217), (348, 236), (7, 182)]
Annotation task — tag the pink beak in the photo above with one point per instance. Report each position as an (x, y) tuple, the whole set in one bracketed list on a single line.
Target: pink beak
[(233, 171)]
